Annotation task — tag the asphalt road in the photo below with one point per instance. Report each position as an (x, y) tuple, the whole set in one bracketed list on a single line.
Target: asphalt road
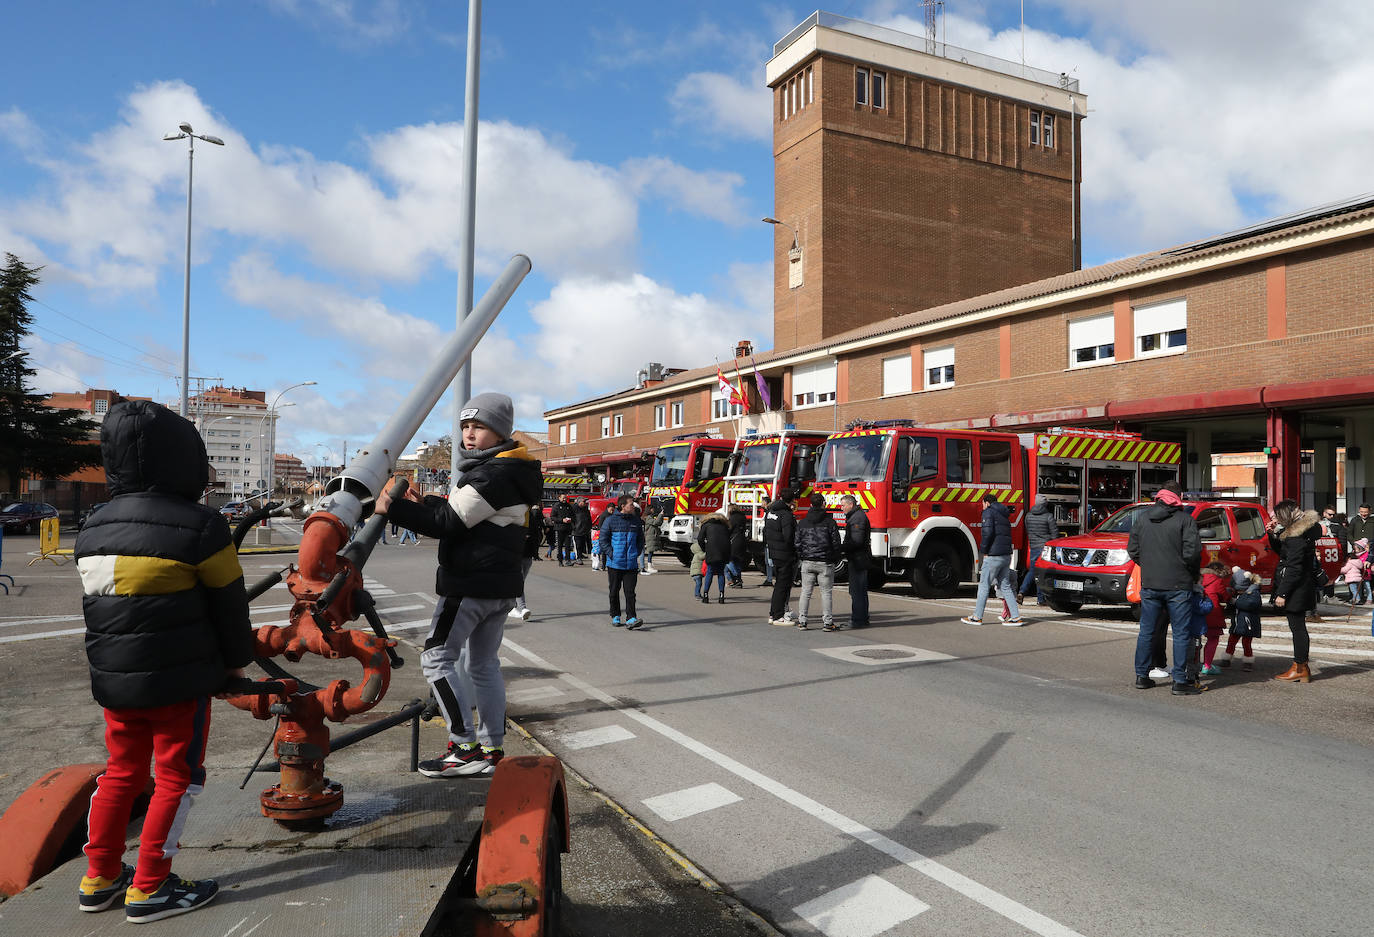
[(927, 777)]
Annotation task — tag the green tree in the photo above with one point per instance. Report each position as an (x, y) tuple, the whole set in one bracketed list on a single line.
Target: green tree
[(36, 441)]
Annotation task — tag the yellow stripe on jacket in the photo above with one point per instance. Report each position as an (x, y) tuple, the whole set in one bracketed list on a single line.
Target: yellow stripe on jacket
[(155, 575)]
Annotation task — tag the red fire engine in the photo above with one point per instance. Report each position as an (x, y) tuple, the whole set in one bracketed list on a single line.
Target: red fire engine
[(688, 482), (762, 467), (923, 488)]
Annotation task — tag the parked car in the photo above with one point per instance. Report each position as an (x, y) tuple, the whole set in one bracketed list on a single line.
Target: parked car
[(21, 517), (1093, 567), (233, 510), (86, 514)]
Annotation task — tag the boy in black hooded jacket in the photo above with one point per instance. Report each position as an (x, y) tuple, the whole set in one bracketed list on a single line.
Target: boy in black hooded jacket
[(166, 626)]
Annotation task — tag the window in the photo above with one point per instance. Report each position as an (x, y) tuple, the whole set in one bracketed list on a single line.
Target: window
[(958, 460), (879, 90), (813, 384), (860, 86), (677, 414), (1091, 341), (572, 432), (1161, 329), (100, 406), (563, 435), (1047, 131), (605, 426), (660, 416), (786, 97), (1035, 128), (939, 367), (917, 459), (721, 408), (1211, 524), (810, 87), (897, 375), (994, 461), (619, 424), (1249, 524)]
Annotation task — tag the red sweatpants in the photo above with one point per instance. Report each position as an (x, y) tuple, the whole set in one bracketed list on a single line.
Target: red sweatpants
[(174, 738)]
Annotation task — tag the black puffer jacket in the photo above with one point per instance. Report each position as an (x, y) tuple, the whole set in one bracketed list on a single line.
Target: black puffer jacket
[(582, 520), (818, 538), (996, 530), (165, 607), (1165, 544), (857, 550), (1295, 578), (714, 539), (480, 526), (779, 530)]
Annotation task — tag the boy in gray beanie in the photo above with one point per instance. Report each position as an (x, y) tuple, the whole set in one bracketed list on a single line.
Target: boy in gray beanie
[(481, 527)]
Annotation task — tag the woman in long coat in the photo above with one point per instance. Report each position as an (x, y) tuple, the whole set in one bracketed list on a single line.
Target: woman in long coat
[(1293, 536)]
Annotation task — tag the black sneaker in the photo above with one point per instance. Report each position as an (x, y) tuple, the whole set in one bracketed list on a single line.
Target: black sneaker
[(97, 894), (1185, 689), (173, 896), (457, 761), (1143, 683)]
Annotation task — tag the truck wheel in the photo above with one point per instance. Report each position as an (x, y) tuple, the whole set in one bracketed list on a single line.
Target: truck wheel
[(935, 574), (1068, 606)]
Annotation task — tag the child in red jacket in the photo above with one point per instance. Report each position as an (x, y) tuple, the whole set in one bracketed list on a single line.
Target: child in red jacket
[(1217, 586)]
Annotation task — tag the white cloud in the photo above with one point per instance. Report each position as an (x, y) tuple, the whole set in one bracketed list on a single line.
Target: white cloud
[(357, 20), (724, 105), (713, 194)]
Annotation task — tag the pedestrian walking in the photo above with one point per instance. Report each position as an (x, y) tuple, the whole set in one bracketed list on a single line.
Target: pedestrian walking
[(534, 536), (817, 540), (482, 527), (1293, 535), (1041, 528), (622, 540), (167, 627), (858, 558), (582, 530), (1164, 544), (779, 529), (653, 536), (714, 539), (1245, 620), (995, 547), (739, 547), (1216, 585)]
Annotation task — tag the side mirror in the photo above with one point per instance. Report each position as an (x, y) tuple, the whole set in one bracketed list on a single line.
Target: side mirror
[(1207, 533)]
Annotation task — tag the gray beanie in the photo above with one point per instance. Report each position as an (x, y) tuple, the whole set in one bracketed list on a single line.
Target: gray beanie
[(496, 411)]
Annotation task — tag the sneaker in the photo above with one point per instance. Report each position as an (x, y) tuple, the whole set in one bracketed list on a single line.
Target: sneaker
[(490, 758), (616, 622), (830, 627), (173, 896), (767, 582), (1016, 622), (1210, 671), (1144, 683), (968, 620), (97, 894), (1247, 665), (457, 761), (1159, 673), (1185, 689), (799, 625), (633, 623), (524, 614), (513, 613), (781, 622)]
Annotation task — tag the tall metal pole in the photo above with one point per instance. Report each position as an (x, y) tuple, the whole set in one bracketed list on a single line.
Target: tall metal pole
[(186, 288), (462, 387)]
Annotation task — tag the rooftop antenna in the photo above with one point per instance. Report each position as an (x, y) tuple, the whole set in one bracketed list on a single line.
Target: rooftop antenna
[(935, 10)]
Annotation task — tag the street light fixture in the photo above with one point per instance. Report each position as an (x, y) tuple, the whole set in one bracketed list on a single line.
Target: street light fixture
[(190, 137), (272, 445), (785, 225)]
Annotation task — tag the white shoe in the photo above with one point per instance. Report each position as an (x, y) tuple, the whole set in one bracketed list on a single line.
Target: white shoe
[(649, 570), (1159, 673), (513, 613), (524, 614)]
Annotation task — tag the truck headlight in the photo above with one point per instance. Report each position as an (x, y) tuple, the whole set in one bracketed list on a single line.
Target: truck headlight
[(1047, 554), (1117, 558)]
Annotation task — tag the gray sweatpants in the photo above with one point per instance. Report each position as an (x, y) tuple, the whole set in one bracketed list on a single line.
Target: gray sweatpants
[(480, 624), (814, 573)]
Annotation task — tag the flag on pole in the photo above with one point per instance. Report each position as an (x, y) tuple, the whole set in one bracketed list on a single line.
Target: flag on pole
[(729, 391), (761, 385)]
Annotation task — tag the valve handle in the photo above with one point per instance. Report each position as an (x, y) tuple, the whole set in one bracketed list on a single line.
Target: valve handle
[(247, 686)]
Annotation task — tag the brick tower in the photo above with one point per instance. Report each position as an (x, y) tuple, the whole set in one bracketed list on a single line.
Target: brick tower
[(909, 173)]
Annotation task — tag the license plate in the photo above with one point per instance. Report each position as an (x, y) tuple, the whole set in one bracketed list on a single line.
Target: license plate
[(1071, 585)]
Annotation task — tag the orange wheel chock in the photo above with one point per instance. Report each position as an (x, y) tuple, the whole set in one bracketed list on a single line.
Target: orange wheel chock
[(40, 820), (526, 819)]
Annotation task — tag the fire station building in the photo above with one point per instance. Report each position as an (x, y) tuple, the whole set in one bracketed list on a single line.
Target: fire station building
[(927, 267)]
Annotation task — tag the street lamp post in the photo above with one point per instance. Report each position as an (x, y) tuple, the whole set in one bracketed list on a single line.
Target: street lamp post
[(190, 137), (272, 444)]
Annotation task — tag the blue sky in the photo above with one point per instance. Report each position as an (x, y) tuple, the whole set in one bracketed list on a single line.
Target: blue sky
[(624, 147)]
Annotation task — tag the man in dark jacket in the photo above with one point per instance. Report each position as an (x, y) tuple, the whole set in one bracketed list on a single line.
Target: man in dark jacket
[(996, 568), (818, 547), (562, 517), (166, 626), (1361, 526), (481, 528), (1164, 544), (621, 541), (858, 558), (582, 530), (779, 528), (1041, 528)]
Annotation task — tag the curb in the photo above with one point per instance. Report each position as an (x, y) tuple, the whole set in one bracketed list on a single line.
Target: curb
[(737, 907)]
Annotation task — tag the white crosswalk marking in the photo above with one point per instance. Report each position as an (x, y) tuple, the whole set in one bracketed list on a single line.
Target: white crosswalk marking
[(691, 801), (860, 909), (590, 738)]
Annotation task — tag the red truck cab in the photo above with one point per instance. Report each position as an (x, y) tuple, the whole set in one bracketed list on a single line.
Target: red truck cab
[(1093, 568)]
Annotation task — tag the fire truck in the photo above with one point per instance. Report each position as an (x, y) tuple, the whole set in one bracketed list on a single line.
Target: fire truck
[(761, 468), (687, 483), (574, 486), (923, 488)]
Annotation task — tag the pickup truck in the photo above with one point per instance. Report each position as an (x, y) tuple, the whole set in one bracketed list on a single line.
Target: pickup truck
[(1092, 568)]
